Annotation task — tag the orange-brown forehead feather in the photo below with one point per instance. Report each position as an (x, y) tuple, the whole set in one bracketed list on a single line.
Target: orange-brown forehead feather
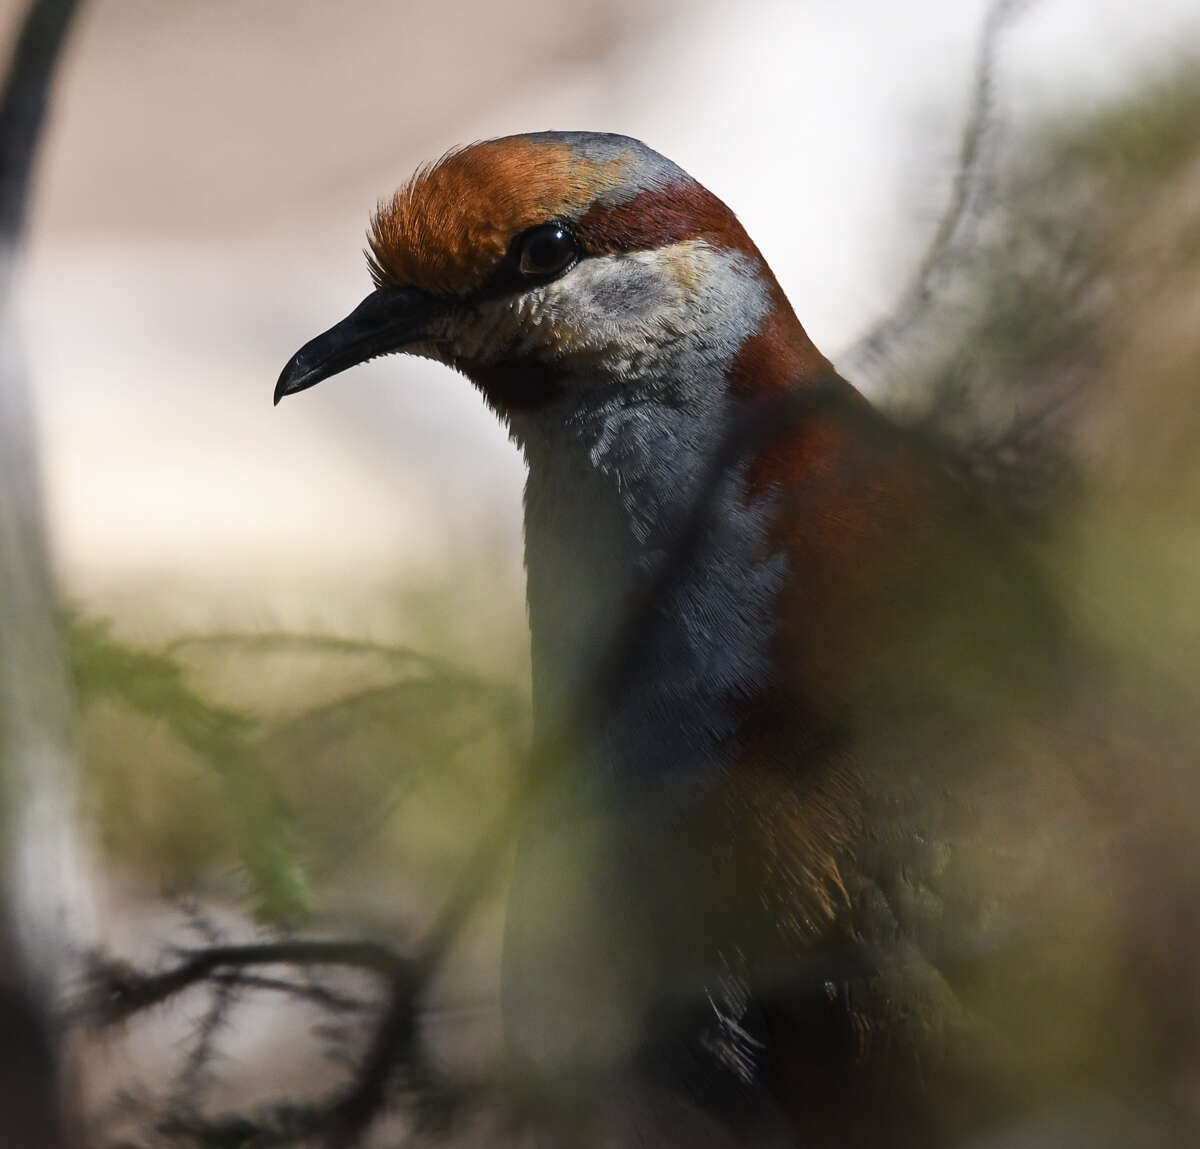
[(451, 224)]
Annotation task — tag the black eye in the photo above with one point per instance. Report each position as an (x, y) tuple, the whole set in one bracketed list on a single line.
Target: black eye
[(546, 250)]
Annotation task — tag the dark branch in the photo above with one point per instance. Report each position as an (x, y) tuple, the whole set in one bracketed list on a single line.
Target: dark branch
[(23, 106), (118, 992), (29, 1100)]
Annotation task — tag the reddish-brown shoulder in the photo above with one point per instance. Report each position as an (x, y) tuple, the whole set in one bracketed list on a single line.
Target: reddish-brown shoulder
[(853, 498), (780, 355)]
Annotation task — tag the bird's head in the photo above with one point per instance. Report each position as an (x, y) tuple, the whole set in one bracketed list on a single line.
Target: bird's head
[(555, 265)]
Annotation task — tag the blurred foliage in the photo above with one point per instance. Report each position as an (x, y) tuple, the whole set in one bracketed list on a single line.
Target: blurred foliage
[(1068, 316), (1061, 363), (387, 754), (1148, 137), (177, 779)]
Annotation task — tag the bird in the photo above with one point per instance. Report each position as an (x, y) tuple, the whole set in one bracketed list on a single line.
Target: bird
[(784, 659)]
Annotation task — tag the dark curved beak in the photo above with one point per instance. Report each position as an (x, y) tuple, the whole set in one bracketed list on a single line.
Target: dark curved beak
[(388, 320)]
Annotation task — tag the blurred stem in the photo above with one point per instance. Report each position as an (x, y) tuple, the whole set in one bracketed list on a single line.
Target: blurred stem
[(23, 109), (36, 756)]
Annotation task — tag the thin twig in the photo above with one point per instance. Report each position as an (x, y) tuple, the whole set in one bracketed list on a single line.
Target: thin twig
[(118, 992), (879, 341)]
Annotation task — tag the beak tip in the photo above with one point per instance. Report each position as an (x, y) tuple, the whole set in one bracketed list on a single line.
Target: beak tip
[(386, 321), (291, 379)]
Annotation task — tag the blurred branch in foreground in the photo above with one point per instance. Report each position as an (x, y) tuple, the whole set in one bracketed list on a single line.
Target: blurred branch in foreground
[(45, 900), (968, 201)]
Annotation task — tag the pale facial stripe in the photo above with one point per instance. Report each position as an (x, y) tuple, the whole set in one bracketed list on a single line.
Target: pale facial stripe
[(621, 314)]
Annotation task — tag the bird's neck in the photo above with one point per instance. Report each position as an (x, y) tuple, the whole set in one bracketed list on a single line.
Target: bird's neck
[(603, 519), (616, 475)]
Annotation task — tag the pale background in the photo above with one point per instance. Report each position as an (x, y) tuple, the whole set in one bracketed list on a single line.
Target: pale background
[(206, 182)]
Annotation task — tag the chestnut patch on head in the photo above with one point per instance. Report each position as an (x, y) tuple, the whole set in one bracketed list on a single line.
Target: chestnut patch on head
[(450, 226), (661, 216)]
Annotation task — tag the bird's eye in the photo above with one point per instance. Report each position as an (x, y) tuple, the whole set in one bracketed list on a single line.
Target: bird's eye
[(546, 250)]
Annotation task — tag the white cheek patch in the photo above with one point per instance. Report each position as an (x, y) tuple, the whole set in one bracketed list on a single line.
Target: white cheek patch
[(618, 314), (615, 302)]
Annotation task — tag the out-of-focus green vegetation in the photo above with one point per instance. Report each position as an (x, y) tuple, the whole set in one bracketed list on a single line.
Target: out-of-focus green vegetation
[(1140, 141), (1077, 292), (1064, 361), (177, 780), (349, 765)]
